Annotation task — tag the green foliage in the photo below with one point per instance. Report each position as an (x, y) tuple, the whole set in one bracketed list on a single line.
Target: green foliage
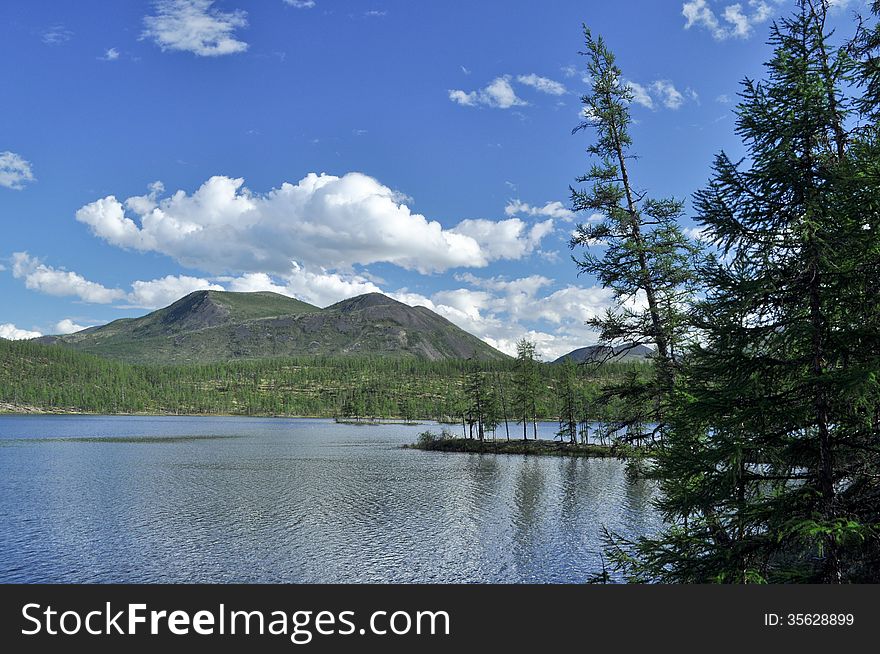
[(52, 378), (770, 473), (527, 386), (645, 258)]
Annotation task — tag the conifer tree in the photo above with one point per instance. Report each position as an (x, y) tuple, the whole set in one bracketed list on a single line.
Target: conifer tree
[(526, 386), (567, 397), (770, 471), (646, 260)]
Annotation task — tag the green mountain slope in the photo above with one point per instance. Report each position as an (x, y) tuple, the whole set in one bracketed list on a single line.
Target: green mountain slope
[(210, 326)]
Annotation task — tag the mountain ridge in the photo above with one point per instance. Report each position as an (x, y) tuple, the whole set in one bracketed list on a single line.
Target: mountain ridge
[(211, 326)]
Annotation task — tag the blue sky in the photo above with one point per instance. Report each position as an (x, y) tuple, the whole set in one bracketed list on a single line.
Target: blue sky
[(328, 148)]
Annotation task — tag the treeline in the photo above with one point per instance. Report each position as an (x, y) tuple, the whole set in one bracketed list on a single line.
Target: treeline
[(53, 378)]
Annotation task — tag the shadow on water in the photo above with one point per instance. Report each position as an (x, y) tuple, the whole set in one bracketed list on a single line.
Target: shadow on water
[(145, 440)]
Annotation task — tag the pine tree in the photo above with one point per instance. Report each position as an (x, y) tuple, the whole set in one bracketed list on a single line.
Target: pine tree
[(770, 471), (647, 261)]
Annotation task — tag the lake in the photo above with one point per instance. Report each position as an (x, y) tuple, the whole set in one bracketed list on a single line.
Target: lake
[(192, 499)]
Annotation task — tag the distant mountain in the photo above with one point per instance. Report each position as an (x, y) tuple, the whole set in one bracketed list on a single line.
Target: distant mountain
[(618, 354), (209, 326)]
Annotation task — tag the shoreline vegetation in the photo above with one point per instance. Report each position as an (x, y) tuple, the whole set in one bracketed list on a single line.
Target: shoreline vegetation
[(449, 443)]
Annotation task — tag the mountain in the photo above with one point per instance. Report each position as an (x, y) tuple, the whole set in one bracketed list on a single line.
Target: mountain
[(618, 354), (208, 326)]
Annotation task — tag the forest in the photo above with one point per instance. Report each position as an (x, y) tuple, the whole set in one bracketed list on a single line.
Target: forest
[(36, 377)]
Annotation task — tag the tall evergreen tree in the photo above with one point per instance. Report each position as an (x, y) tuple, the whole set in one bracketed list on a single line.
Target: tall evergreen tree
[(645, 258), (526, 386), (770, 472)]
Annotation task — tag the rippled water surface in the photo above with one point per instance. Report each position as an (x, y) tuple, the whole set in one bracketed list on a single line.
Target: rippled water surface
[(134, 499)]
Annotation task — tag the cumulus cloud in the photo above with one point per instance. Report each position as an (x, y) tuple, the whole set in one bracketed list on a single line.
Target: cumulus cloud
[(195, 26), (498, 94), (321, 221), (67, 326), (502, 311), (735, 20), (162, 292), (300, 4), (59, 282), (15, 172), (111, 54), (39, 277), (319, 287), (12, 333), (504, 239), (542, 84)]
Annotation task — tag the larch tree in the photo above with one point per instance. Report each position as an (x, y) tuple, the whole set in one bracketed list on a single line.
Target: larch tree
[(637, 248), (526, 386), (568, 397), (770, 473)]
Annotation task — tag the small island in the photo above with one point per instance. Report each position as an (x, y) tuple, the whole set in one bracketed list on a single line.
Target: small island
[(448, 442)]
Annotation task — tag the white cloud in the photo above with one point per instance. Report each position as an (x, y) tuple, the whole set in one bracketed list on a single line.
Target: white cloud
[(161, 292), (498, 94), (323, 288), (504, 239), (300, 4), (502, 311), (659, 92), (253, 282), (668, 94), (111, 54), (736, 20), (696, 233), (723, 99), (463, 98), (321, 221), (195, 26), (553, 209), (319, 287), (15, 172), (59, 282), (12, 333), (569, 71), (67, 326), (542, 84), (640, 94)]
